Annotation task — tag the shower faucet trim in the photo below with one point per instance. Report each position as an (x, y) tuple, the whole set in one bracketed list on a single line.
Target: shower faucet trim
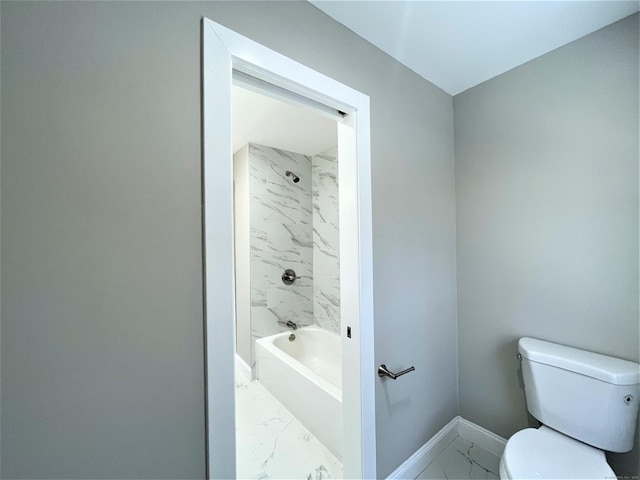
[(289, 276)]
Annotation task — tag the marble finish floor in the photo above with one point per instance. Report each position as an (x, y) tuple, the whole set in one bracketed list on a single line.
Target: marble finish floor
[(462, 460), (272, 443)]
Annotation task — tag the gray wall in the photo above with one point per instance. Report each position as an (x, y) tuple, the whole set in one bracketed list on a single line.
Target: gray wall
[(547, 217), (102, 359)]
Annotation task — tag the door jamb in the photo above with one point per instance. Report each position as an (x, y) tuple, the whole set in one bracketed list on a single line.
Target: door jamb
[(224, 51)]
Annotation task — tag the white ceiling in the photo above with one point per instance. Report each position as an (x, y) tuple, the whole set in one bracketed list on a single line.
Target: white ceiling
[(459, 44), (453, 44), (264, 120)]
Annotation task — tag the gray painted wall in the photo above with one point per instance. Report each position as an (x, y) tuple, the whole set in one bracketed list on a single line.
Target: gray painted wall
[(547, 217), (102, 359)]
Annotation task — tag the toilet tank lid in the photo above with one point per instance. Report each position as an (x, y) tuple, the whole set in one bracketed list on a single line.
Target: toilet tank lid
[(602, 367)]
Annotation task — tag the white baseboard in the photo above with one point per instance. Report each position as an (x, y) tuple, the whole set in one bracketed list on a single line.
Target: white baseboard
[(421, 459), (481, 437), (458, 427)]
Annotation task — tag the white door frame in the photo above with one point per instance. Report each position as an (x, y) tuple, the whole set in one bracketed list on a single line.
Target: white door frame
[(223, 52)]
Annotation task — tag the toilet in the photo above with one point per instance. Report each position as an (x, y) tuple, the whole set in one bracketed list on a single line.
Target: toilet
[(587, 403)]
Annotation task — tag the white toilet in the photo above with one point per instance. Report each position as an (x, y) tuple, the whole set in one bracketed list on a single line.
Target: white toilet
[(587, 403)]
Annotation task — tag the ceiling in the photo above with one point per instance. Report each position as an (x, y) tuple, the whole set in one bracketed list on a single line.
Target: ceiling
[(459, 44), (453, 44), (267, 121)]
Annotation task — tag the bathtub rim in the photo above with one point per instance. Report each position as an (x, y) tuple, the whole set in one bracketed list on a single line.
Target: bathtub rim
[(268, 343)]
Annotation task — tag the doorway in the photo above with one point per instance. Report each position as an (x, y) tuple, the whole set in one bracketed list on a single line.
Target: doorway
[(227, 54), (288, 352)]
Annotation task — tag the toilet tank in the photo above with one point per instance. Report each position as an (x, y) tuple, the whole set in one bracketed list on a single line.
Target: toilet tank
[(590, 397)]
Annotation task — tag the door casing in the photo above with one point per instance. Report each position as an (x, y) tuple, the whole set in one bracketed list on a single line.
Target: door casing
[(223, 52)]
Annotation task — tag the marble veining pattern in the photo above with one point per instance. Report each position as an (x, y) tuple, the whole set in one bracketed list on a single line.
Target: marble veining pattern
[(281, 238), (272, 443), (292, 225), (463, 460), (326, 242)]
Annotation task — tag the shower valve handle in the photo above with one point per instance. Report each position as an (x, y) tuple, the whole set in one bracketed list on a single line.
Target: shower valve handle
[(289, 276)]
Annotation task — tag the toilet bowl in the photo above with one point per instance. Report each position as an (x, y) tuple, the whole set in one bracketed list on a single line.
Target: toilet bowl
[(546, 454)]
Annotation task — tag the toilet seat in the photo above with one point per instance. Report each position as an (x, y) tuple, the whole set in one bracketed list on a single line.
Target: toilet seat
[(544, 453)]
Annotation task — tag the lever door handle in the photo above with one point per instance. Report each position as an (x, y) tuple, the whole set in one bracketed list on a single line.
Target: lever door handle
[(383, 371)]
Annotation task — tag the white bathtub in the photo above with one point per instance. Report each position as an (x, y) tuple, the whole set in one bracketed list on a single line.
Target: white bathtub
[(306, 377)]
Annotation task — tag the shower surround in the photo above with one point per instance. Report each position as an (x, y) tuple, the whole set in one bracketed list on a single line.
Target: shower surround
[(289, 225), (326, 241)]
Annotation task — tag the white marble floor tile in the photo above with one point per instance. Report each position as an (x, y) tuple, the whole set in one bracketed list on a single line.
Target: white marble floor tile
[(462, 460), (272, 443)]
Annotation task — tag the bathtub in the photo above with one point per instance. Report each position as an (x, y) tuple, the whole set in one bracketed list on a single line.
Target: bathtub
[(306, 377)]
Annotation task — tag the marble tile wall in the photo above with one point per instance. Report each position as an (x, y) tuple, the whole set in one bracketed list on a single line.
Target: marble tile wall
[(326, 241), (280, 238), (292, 225)]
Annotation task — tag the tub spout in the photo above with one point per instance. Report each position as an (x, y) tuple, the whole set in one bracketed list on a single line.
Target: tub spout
[(289, 324)]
